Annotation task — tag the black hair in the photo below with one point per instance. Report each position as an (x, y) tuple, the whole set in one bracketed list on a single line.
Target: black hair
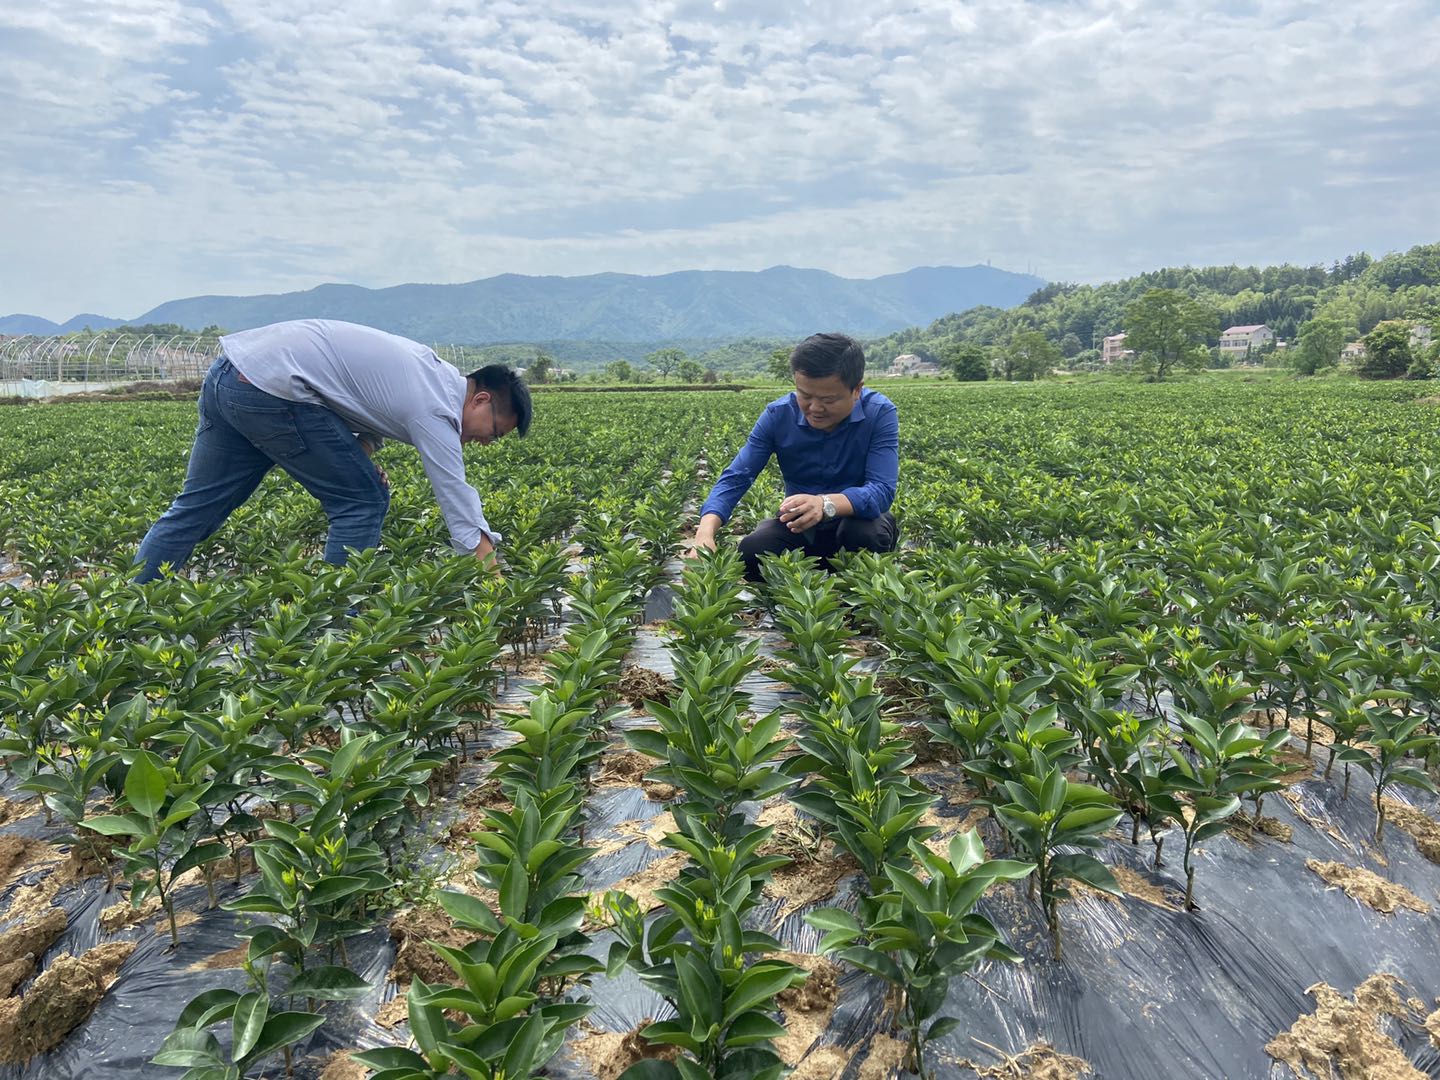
[(514, 395), (822, 355)]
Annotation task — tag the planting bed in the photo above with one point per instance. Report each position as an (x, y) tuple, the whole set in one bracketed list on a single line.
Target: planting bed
[(1120, 615)]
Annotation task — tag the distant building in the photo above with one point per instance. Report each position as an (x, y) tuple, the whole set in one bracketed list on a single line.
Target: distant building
[(1238, 342), (910, 364), (1113, 349), (1353, 353)]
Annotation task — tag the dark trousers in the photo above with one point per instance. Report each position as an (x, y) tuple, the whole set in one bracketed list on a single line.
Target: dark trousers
[(841, 534)]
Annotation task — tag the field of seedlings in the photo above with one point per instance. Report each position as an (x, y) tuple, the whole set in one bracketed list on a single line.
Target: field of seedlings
[(1124, 766)]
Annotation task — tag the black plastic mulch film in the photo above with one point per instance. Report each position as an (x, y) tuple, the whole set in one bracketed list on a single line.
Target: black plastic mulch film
[(1143, 991)]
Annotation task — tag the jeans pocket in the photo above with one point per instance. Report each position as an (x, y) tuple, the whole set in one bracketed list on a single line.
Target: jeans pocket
[(271, 428)]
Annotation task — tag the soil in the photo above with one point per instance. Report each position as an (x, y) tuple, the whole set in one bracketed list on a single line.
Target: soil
[(652, 831), (1141, 888), (394, 1012), (15, 854), (338, 1066), (1299, 766), (627, 768), (638, 685), (808, 1009), (61, 999), (642, 885), (1347, 1033), (1246, 828), (883, 1059), (119, 916), (22, 946), (1368, 887), (608, 1053), (410, 930), (1323, 736), (12, 810), (1432, 1025), (230, 958), (1421, 826), (810, 880), (1039, 1062), (486, 796), (926, 750)]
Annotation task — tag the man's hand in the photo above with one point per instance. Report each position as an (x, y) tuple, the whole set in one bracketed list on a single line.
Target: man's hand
[(704, 535), (801, 512), (485, 552), (370, 453), (700, 540)]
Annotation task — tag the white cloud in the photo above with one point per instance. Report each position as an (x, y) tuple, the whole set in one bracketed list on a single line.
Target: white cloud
[(263, 146)]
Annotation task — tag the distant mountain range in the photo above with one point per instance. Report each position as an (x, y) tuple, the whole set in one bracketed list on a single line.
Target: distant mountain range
[(691, 304)]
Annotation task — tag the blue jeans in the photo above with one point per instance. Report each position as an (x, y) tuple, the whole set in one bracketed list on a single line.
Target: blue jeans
[(243, 434)]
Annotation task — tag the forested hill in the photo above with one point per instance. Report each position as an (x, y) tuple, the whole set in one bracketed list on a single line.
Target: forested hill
[(631, 308), (1358, 290)]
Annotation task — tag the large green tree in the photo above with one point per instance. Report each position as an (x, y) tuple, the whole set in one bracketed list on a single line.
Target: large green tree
[(1387, 352), (619, 371), (1029, 355), (666, 361), (540, 368), (1168, 331), (968, 363), (777, 365), (1321, 340)]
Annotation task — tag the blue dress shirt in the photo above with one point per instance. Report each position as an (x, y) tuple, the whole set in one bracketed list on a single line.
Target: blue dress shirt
[(859, 458)]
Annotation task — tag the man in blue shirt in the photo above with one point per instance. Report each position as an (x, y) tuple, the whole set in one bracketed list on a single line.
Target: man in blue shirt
[(838, 445)]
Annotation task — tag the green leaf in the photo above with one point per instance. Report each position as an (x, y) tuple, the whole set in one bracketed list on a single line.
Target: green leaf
[(283, 1029), (751, 1028), (469, 911), (1088, 816), (207, 1008), (759, 984), (189, 1048), (330, 889), (520, 1056), (248, 1022), (391, 1057), (145, 785), (832, 919), (114, 825), (942, 1027), (330, 983)]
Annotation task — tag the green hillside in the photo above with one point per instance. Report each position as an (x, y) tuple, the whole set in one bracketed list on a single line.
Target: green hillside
[(1358, 291)]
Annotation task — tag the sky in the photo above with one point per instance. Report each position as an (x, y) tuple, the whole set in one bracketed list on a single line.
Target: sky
[(157, 149)]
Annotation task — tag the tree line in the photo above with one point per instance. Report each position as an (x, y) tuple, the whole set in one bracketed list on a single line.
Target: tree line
[(1172, 319)]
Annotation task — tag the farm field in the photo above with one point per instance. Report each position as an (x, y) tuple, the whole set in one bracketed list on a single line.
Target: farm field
[(1123, 766)]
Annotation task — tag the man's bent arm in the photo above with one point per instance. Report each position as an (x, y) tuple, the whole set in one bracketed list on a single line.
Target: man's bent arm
[(438, 443), (735, 481), (882, 471)]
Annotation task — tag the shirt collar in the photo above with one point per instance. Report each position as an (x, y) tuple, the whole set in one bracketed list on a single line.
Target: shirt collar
[(857, 414)]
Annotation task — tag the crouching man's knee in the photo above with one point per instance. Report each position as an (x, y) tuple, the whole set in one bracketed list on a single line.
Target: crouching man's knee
[(869, 534)]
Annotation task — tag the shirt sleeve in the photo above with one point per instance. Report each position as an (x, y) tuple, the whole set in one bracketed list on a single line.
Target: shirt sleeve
[(882, 469), (741, 473), (438, 444)]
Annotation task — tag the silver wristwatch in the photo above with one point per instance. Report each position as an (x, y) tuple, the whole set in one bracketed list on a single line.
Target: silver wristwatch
[(827, 508)]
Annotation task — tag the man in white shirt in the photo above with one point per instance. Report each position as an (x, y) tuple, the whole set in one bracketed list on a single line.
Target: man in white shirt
[(317, 397)]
